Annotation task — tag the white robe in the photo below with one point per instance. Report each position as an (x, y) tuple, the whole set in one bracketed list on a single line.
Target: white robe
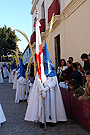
[(20, 90), (1, 78), (30, 89), (53, 102), (2, 116), (11, 76), (15, 79), (5, 72)]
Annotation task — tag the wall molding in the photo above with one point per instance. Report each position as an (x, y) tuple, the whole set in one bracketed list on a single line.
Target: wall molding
[(70, 9), (34, 7)]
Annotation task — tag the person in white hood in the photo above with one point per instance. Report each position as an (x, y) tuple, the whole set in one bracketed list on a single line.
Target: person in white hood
[(52, 110)]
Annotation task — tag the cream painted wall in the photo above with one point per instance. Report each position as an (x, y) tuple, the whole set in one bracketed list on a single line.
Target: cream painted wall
[(77, 32), (74, 35), (74, 31), (58, 30)]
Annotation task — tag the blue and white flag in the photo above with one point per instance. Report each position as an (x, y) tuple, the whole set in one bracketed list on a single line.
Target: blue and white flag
[(49, 70)]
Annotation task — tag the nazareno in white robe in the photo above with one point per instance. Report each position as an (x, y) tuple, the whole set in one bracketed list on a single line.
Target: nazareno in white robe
[(1, 78), (53, 102), (20, 90), (11, 76), (2, 116), (15, 79), (5, 72)]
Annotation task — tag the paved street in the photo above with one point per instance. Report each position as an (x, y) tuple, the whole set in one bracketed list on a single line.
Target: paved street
[(15, 124)]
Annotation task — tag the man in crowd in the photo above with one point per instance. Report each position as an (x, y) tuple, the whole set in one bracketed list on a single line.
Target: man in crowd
[(76, 74), (84, 58)]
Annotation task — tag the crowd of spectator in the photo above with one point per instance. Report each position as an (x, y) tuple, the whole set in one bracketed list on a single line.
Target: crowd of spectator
[(76, 77)]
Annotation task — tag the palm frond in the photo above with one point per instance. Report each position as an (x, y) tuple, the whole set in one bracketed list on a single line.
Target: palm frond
[(23, 34)]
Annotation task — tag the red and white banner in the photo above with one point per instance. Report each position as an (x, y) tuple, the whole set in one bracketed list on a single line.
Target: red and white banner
[(39, 53)]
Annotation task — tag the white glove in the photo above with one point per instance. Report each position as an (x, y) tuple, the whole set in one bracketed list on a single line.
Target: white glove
[(44, 91), (30, 84)]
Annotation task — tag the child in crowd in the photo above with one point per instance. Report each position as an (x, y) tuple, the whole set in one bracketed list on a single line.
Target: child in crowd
[(76, 88), (86, 95)]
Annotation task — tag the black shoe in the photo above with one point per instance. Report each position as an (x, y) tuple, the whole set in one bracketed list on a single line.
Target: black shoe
[(25, 100), (41, 125), (51, 124), (20, 101)]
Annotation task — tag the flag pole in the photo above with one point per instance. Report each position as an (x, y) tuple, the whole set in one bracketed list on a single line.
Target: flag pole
[(43, 99)]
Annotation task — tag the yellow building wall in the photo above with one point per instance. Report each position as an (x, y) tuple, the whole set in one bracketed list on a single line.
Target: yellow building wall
[(77, 32), (74, 34)]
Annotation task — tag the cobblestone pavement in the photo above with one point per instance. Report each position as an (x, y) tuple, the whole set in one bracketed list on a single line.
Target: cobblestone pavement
[(15, 124)]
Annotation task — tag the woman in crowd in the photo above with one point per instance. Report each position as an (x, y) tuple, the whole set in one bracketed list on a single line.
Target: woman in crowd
[(67, 72), (60, 69)]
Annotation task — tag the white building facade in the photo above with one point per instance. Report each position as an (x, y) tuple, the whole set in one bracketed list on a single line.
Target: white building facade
[(70, 34), (26, 55)]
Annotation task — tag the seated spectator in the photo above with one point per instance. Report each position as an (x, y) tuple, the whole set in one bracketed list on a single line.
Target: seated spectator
[(76, 88), (79, 68), (76, 74), (67, 72), (86, 95), (71, 58), (60, 69)]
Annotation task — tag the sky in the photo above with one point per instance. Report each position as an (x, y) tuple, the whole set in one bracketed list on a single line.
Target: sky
[(16, 14)]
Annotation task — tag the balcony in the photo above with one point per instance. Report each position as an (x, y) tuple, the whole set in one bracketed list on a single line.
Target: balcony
[(54, 8), (33, 37), (42, 27)]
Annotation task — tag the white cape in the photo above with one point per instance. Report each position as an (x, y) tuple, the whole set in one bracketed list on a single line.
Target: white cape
[(1, 78), (53, 102), (11, 76), (2, 116), (20, 90), (15, 79), (5, 72)]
